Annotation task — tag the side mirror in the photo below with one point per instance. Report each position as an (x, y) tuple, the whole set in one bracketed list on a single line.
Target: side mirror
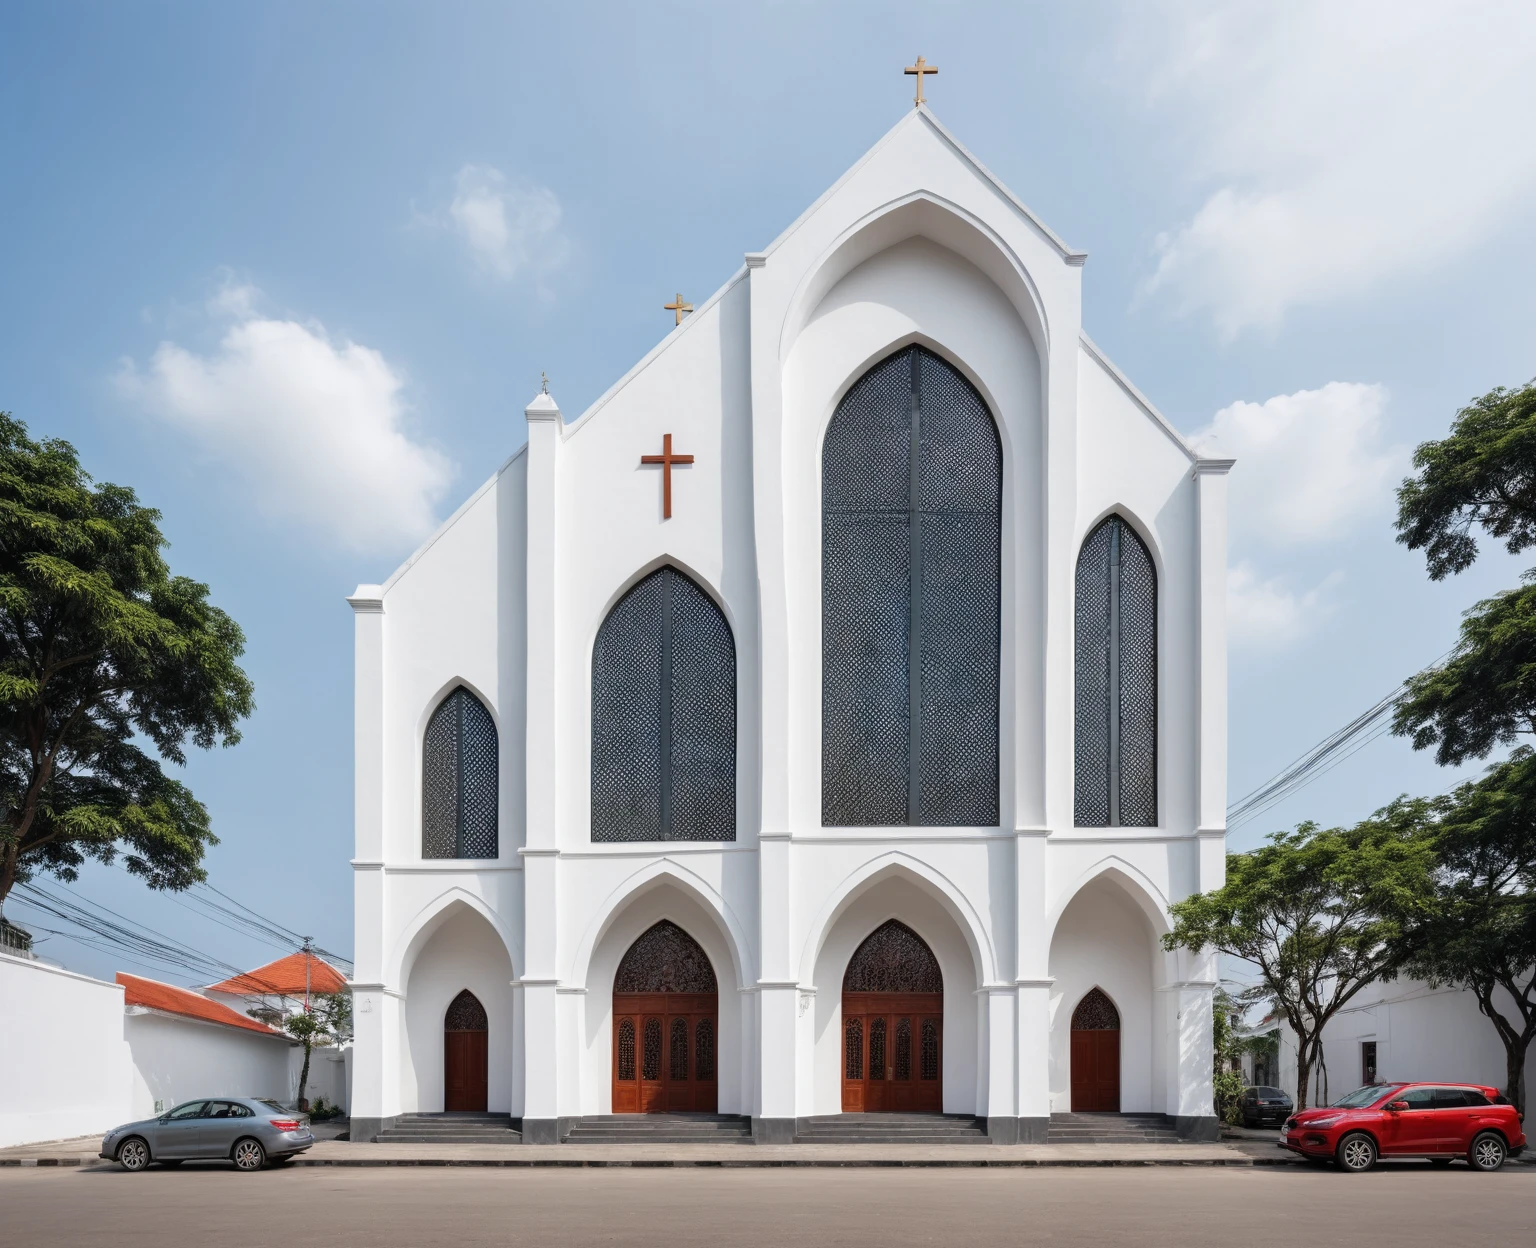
[(1397, 1106)]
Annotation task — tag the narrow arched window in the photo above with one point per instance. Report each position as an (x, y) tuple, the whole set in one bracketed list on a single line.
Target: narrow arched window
[(1116, 702), (664, 716), (911, 537), (459, 780)]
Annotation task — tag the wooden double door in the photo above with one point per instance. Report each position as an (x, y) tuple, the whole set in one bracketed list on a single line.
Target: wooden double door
[(466, 1065), (893, 1052), (1096, 1055), (665, 1052)]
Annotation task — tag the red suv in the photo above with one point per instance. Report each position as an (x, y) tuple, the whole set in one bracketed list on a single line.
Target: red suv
[(1434, 1120)]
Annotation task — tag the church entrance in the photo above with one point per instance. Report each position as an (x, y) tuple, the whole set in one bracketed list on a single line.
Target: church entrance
[(465, 1060), (1096, 1055), (665, 1026), (893, 1025)]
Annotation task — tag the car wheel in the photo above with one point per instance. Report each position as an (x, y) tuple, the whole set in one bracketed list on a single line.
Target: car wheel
[(248, 1154), (1487, 1152), (1357, 1153), (133, 1154), (1441, 1162)]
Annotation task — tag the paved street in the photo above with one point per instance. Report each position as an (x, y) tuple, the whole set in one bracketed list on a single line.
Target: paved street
[(1398, 1205)]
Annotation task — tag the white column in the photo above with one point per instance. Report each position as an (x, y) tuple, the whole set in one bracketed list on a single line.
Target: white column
[(539, 976), (376, 1074), (1211, 748), (1032, 983), (778, 997)]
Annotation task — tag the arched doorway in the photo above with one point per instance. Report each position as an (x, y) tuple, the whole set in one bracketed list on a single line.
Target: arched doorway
[(466, 1065), (893, 1025), (665, 1025), (1096, 1055)]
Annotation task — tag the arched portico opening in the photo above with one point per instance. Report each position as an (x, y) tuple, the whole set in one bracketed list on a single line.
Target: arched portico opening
[(666, 1025), (893, 1025)]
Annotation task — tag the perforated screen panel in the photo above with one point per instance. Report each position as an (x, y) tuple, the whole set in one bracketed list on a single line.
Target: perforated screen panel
[(664, 716), (1116, 690), (459, 781), (911, 575)]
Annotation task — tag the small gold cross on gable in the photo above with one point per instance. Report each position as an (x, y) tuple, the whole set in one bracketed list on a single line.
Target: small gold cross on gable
[(922, 67), (677, 307)]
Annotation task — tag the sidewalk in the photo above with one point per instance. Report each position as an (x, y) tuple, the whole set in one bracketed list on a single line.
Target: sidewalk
[(82, 1152)]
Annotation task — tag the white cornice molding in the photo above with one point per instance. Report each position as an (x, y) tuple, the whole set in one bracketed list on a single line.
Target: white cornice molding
[(1213, 467), (756, 259), (543, 410), (1212, 832), (367, 600)]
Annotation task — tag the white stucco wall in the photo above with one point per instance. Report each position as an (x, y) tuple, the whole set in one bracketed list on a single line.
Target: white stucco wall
[(176, 1058), (68, 1066)]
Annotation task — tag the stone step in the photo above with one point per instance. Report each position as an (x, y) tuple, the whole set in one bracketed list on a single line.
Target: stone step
[(408, 1137)]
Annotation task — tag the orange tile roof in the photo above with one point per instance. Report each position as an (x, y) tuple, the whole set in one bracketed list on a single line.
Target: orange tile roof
[(172, 1000), (285, 977)]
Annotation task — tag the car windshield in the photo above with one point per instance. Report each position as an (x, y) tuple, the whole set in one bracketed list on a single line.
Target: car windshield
[(1367, 1095), (1272, 1093), (272, 1105)]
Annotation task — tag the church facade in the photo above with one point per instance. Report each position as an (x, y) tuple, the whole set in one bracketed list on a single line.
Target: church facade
[(823, 722)]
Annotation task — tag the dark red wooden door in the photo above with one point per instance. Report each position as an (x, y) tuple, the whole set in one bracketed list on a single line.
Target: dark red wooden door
[(893, 1052), (465, 1063), (1096, 1054), (665, 1052)]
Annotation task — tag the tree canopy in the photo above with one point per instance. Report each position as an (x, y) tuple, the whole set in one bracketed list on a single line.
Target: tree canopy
[(1484, 695), (1320, 913), (1480, 930), (1482, 475), (102, 653)]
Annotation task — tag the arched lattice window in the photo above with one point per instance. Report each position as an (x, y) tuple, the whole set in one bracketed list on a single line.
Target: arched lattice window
[(465, 1013), (664, 716), (912, 473), (1095, 1012), (665, 959), (893, 958), (1116, 680), (458, 780)]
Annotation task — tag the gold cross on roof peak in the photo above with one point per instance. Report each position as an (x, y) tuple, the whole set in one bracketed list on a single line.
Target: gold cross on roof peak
[(677, 307), (922, 67)]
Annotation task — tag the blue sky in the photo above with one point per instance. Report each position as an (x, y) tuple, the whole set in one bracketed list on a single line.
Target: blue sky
[(293, 270)]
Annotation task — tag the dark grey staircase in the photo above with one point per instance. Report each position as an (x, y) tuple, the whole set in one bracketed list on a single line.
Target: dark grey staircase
[(891, 1129), (661, 1129), (1110, 1129), (451, 1129)]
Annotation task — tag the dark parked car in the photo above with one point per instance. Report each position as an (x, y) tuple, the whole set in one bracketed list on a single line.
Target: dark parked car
[(1441, 1121), (244, 1130), (1261, 1105)]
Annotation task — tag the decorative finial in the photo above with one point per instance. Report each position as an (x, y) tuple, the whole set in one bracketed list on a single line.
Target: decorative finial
[(678, 308), (544, 379), (922, 67)]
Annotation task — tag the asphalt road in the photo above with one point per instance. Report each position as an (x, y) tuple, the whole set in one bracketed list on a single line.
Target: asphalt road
[(1398, 1205)]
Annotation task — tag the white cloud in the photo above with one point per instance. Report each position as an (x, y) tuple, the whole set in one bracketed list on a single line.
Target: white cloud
[(313, 430), (1309, 465), (1263, 613), (509, 230), (1347, 143)]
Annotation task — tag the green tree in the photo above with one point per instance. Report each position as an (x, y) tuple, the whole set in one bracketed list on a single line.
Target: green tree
[(1319, 913), (1480, 933), (1227, 1048), (101, 649), (327, 1020), (1482, 475)]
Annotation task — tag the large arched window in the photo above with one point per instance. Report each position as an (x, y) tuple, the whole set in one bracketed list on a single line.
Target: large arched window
[(1116, 680), (664, 716), (910, 588), (458, 780)]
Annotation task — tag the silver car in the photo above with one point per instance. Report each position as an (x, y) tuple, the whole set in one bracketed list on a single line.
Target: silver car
[(247, 1131)]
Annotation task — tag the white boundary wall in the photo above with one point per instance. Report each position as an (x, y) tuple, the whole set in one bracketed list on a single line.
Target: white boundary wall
[(69, 1065)]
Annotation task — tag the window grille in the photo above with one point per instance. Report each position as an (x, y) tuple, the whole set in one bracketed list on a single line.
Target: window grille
[(1095, 1012), (704, 1050), (911, 584), (664, 958), (1116, 674), (465, 1013), (459, 780), (893, 958), (664, 716)]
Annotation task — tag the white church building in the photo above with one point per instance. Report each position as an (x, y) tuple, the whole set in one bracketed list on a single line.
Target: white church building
[(821, 723)]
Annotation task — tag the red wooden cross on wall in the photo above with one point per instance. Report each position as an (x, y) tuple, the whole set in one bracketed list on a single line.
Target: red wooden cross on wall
[(666, 459)]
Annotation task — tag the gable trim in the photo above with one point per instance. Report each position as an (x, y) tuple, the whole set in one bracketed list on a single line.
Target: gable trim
[(1137, 397)]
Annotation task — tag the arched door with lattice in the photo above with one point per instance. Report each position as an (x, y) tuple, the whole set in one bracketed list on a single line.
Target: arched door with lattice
[(465, 1055), (666, 1026), (893, 1025), (1096, 1055)]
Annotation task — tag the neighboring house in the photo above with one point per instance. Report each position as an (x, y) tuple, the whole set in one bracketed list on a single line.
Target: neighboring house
[(1403, 1029), (185, 1045), (88, 1055), (843, 694), (279, 988)]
